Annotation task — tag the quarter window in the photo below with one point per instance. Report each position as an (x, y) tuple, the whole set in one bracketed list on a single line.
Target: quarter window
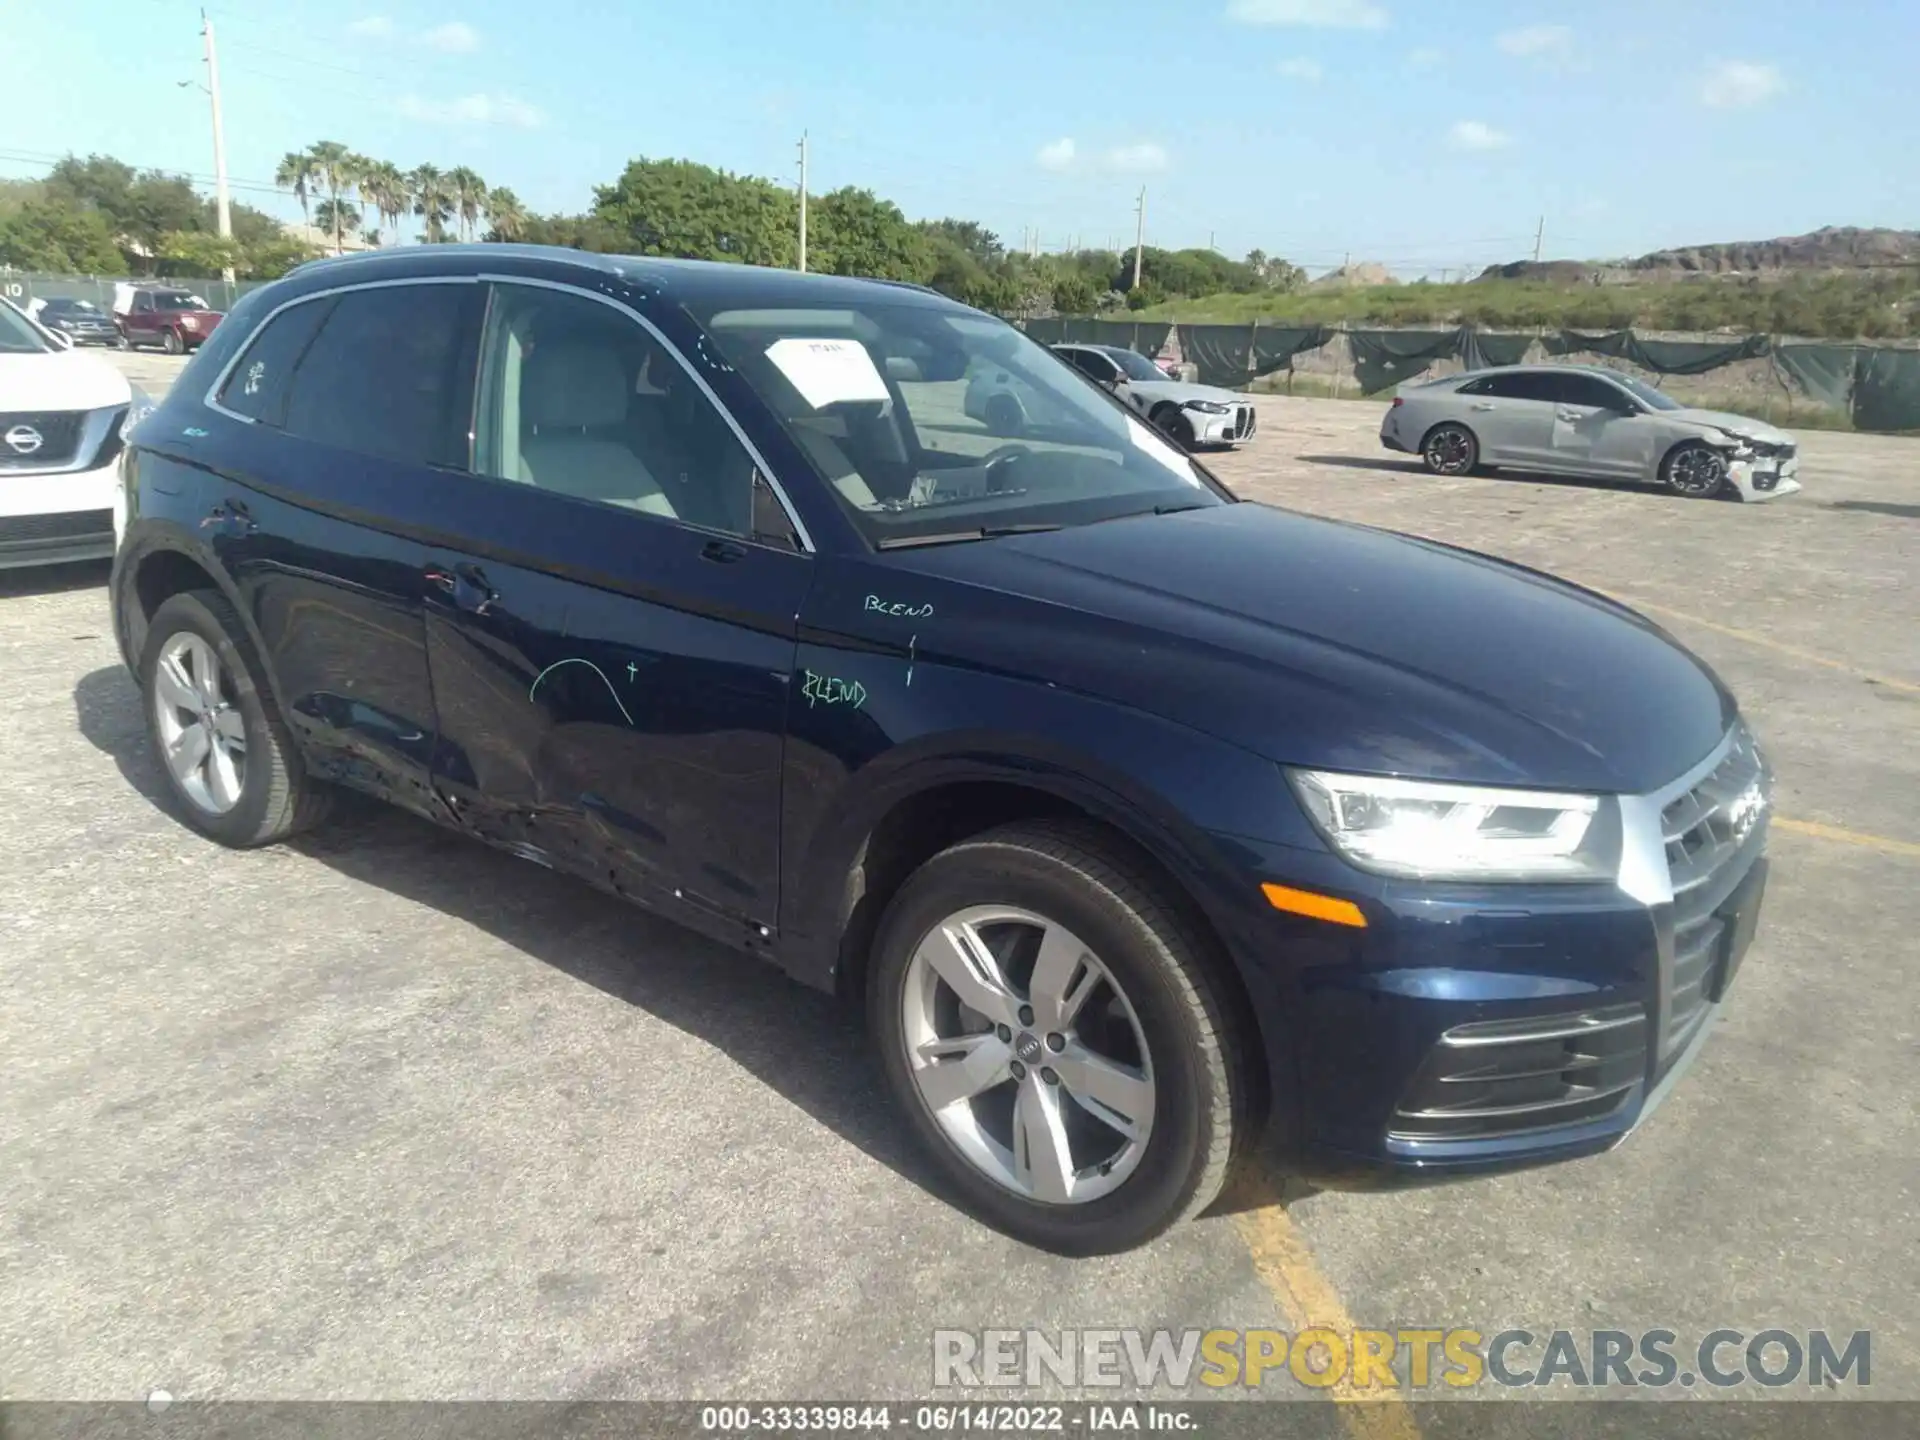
[(257, 386), (578, 399)]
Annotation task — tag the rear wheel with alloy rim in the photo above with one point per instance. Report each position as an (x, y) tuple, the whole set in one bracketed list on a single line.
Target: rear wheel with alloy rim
[(1695, 470), (1052, 1026), (1450, 450), (222, 746)]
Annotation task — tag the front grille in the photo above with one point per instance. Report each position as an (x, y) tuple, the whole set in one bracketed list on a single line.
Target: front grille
[(59, 432), (74, 525), (1242, 422), (1706, 831), (1492, 1079)]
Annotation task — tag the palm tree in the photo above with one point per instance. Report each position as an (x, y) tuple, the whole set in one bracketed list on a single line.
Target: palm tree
[(506, 214), (468, 192), (298, 173), (431, 201), (339, 216), (338, 168), (385, 189)]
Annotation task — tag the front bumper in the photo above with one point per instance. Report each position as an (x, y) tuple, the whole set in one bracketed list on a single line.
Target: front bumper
[(57, 519), (1473, 1029), (1764, 479), (1233, 428)]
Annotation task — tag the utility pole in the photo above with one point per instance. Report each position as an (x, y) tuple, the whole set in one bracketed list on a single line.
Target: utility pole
[(1139, 234), (223, 213), (1538, 236), (803, 202)]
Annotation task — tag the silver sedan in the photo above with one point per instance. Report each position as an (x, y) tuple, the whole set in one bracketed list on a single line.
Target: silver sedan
[(1583, 420)]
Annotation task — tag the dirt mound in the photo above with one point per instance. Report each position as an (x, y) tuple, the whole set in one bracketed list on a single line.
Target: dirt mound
[(1367, 272)]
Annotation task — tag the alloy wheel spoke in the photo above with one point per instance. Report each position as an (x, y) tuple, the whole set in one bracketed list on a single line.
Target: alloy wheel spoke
[(188, 752), (1062, 980), (223, 777), (960, 957), (960, 1068), (1042, 1157), (206, 673), (173, 685), (1116, 1094), (229, 727)]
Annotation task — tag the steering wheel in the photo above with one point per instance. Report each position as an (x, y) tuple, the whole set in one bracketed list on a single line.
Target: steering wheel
[(998, 463)]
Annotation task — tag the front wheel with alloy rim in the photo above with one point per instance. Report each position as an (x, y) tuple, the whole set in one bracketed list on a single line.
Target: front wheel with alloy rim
[(226, 755), (1054, 1030), (1695, 470), (1174, 424), (1450, 450)]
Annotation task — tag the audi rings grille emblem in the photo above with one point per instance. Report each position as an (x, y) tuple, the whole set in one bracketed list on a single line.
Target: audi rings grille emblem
[(24, 439)]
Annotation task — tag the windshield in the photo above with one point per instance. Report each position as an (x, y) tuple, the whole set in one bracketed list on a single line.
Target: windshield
[(18, 335), (1134, 365), (1647, 395), (69, 307), (177, 300), (932, 424)]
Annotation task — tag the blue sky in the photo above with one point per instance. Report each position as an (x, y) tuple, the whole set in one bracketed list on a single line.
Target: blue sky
[(1426, 136)]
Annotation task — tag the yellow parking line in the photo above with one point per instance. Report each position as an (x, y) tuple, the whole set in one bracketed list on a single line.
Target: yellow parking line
[(1767, 642), (1885, 844), (1286, 1266)]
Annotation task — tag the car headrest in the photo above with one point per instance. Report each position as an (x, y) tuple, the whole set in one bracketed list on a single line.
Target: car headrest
[(572, 385)]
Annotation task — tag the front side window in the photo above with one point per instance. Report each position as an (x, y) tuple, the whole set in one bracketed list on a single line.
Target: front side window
[(1653, 399), (1592, 391), (932, 423), (1091, 363), (381, 375), (578, 398), (1134, 365)]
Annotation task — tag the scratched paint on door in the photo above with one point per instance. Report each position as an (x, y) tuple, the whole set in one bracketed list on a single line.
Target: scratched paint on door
[(575, 660), (831, 690)]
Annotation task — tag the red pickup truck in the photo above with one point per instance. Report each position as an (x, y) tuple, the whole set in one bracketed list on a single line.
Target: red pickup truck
[(175, 320)]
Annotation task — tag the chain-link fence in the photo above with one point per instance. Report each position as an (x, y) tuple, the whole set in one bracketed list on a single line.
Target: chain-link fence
[(23, 287)]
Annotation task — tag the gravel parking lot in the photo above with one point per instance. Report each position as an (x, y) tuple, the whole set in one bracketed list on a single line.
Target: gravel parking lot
[(386, 1114)]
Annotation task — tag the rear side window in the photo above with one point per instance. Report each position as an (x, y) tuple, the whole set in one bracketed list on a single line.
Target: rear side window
[(383, 375), (257, 386), (1520, 385)]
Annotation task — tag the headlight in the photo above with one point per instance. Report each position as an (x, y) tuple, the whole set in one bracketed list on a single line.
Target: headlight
[(187, 322), (1461, 832), (1208, 407)]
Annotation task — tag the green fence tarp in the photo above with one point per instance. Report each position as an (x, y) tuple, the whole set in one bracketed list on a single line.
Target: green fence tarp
[(1274, 346), (1886, 390), (1144, 336), (1223, 353), (1824, 372), (1046, 332), (1480, 349), (1663, 357), (1383, 358)]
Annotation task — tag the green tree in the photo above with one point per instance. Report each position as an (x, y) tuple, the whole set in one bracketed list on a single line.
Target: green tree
[(468, 192), (298, 172), (49, 235), (1073, 294), (385, 189), (580, 232), (196, 253), (677, 207), (432, 201), (338, 170), (506, 216), (337, 217), (854, 232)]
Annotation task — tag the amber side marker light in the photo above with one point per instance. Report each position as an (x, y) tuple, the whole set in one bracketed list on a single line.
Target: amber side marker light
[(1319, 907)]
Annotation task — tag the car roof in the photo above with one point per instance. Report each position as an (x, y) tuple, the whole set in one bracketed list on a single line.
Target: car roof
[(1482, 373), (688, 281)]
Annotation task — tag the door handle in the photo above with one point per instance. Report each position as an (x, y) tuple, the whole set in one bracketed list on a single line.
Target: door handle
[(723, 552), (465, 585), (1569, 415), (1483, 405)]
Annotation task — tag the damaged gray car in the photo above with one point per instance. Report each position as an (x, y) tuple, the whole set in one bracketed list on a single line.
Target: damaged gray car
[(1588, 421)]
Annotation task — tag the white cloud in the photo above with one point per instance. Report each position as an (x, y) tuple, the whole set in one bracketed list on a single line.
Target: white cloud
[(478, 109), (1145, 156), (1538, 41), (1477, 135), (1056, 154), (373, 27), (456, 37), (1731, 84), (1321, 14), (1301, 69)]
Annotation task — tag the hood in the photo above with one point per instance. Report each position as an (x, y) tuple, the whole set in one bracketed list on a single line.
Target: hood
[(62, 380), (1182, 391), (1727, 420), (1318, 643)]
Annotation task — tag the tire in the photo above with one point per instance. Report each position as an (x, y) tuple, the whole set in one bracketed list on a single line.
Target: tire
[(1169, 420), (1167, 1039), (266, 792), (1450, 449), (171, 342), (1694, 470), (1005, 417)]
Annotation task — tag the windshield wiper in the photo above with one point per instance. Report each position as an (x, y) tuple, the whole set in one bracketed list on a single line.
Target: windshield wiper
[(955, 537)]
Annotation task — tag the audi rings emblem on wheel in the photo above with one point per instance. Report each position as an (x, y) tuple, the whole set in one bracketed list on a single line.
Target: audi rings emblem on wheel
[(1028, 1054), (202, 737)]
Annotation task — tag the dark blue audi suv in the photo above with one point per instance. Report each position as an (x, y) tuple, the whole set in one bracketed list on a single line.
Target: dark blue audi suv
[(1157, 832)]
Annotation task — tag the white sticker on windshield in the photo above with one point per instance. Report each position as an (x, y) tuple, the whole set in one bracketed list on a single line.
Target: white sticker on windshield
[(825, 372), (1150, 441)]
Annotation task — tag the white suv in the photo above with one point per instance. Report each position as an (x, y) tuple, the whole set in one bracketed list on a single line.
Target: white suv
[(61, 418)]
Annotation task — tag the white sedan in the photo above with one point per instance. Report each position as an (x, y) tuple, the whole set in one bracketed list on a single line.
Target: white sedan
[(61, 418)]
